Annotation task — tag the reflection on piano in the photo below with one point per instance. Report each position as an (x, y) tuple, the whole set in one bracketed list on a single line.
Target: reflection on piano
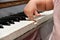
[(13, 21)]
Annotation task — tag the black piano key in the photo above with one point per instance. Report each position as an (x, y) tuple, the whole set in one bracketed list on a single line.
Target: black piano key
[(11, 21), (21, 17), (7, 19), (4, 23), (1, 26), (14, 18)]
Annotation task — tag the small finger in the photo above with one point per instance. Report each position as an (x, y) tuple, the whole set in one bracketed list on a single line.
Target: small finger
[(37, 14)]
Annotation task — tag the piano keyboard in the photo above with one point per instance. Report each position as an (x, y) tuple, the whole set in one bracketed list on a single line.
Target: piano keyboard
[(16, 28), (8, 20)]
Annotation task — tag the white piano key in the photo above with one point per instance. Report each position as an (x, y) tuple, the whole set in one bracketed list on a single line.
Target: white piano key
[(14, 27), (47, 12)]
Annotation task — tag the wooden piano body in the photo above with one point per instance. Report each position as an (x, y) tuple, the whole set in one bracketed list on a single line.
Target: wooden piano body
[(24, 28)]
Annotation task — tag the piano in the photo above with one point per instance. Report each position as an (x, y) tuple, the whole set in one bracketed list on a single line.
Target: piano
[(14, 23)]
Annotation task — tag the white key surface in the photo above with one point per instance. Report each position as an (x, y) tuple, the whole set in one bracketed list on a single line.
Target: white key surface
[(9, 29)]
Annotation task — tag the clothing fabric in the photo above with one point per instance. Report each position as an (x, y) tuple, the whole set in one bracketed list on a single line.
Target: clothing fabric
[(56, 28), (46, 29)]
